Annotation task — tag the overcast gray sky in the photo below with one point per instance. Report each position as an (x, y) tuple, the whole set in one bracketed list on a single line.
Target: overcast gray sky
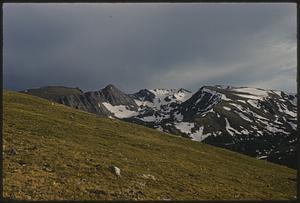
[(135, 46)]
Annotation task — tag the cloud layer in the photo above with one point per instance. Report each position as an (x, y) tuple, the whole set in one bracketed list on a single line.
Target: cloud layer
[(138, 46)]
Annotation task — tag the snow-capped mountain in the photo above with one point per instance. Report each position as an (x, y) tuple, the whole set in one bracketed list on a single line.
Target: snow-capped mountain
[(253, 121), (158, 104)]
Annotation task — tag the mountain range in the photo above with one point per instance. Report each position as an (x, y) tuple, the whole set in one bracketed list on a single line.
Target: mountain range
[(253, 121)]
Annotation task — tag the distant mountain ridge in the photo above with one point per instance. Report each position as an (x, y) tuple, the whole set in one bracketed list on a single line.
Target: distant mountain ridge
[(53, 93), (253, 121)]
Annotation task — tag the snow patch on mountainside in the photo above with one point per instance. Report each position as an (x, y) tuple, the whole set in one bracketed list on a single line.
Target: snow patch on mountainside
[(284, 109), (252, 91), (271, 127), (294, 126), (245, 131), (248, 96), (120, 111), (184, 127), (163, 100), (178, 116), (253, 103), (182, 96), (242, 101), (143, 103), (226, 108), (229, 129), (243, 116), (223, 97), (198, 135), (148, 119), (165, 97), (157, 105)]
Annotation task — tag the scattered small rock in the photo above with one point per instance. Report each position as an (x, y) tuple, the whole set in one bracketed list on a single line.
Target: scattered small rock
[(46, 167), (21, 162), (83, 180), (141, 184), (166, 199), (115, 170), (52, 103), (89, 160), (148, 176)]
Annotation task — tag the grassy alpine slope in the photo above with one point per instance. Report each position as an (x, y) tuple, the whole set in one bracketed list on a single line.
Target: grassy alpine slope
[(53, 152)]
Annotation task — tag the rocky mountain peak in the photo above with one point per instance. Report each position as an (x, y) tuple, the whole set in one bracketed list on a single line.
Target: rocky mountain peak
[(144, 95), (184, 90), (110, 87)]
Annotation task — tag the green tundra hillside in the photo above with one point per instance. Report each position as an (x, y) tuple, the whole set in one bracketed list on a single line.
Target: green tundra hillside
[(53, 152)]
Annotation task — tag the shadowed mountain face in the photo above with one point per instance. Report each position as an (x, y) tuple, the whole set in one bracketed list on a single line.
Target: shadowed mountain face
[(95, 102), (53, 93), (252, 121)]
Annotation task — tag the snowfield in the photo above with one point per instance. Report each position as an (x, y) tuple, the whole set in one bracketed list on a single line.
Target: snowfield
[(199, 136), (120, 111), (252, 91), (185, 127)]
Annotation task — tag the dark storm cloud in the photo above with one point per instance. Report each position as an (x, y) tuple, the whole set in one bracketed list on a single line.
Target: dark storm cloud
[(150, 45)]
